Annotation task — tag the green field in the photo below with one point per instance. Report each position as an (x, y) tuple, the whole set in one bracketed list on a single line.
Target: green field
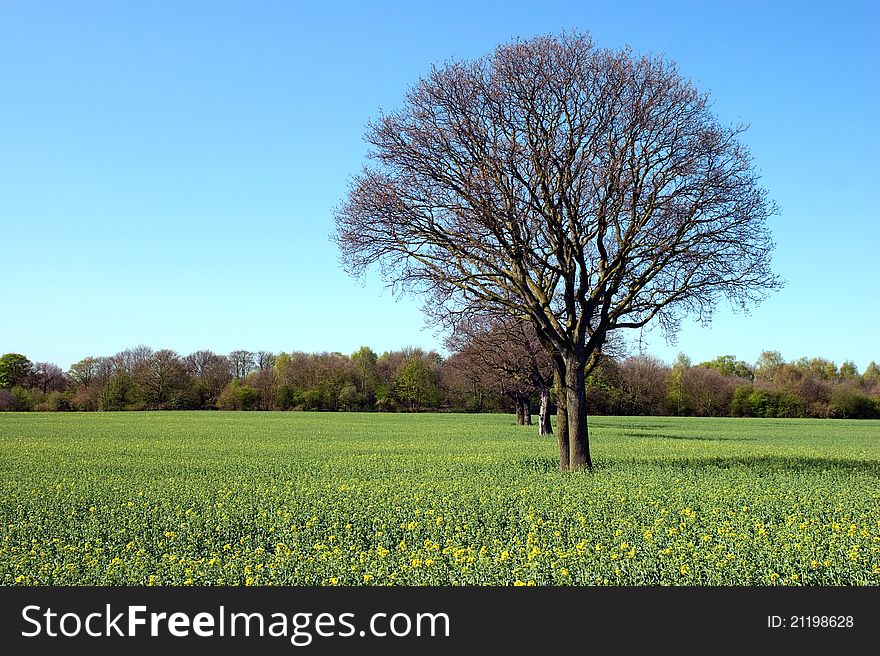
[(350, 499)]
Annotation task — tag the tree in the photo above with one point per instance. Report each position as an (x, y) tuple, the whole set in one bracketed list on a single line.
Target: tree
[(580, 189), (768, 365), (506, 355), (364, 361), (241, 363), (706, 392), (162, 379), (416, 384), (643, 381), (83, 372), (14, 370), (47, 377), (728, 365), (210, 373), (871, 377), (848, 371)]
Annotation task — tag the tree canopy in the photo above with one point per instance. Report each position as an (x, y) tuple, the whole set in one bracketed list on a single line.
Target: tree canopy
[(577, 188)]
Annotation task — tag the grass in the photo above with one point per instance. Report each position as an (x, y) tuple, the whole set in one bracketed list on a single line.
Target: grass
[(190, 498)]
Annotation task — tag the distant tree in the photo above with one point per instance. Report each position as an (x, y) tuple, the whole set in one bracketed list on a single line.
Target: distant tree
[(643, 385), (604, 388), (119, 392), (816, 396), (14, 370), (135, 358), (706, 392), (236, 396), (46, 377), (768, 364), (849, 402), (508, 356), (415, 385), (163, 379), (241, 363), (209, 373), (871, 377), (818, 368), (464, 386), (675, 393), (728, 365), (334, 372), (82, 373), (848, 371), (265, 360), (367, 379), (264, 381)]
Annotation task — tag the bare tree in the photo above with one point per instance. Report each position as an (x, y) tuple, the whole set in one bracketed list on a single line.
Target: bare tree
[(163, 376), (241, 363), (47, 376), (211, 372), (265, 360), (509, 352), (580, 189), (643, 381)]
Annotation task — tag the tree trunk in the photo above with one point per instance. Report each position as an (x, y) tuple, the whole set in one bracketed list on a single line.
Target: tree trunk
[(526, 405), (576, 413), (544, 426), (561, 421), (519, 412)]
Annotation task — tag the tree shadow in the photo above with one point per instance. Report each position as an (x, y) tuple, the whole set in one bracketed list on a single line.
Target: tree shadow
[(759, 464), (593, 423), (774, 463), (696, 438)]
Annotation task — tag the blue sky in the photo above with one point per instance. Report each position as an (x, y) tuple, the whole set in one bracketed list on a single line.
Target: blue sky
[(168, 170)]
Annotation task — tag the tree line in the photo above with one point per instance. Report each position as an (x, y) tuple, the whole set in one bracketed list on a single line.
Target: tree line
[(485, 372)]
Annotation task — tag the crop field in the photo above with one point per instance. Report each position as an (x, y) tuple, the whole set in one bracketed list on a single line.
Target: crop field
[(436, 499)]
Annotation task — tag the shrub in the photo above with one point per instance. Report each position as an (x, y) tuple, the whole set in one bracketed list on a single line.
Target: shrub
[(847, 402)]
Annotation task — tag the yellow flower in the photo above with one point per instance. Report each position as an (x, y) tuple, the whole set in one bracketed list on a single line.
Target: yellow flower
[(518, 583), (685, 570)]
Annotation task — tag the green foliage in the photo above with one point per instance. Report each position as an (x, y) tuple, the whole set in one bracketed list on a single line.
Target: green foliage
[(14, 370), (757, 402), (119, 392), (848, 402), (238, 396), (191, 498), (768, 364), (285, 397), (728, 365), (415, 385), (367, 374), (312, 399)]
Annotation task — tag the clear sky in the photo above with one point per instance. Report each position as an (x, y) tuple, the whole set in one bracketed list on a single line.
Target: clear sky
[(168, 170)]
